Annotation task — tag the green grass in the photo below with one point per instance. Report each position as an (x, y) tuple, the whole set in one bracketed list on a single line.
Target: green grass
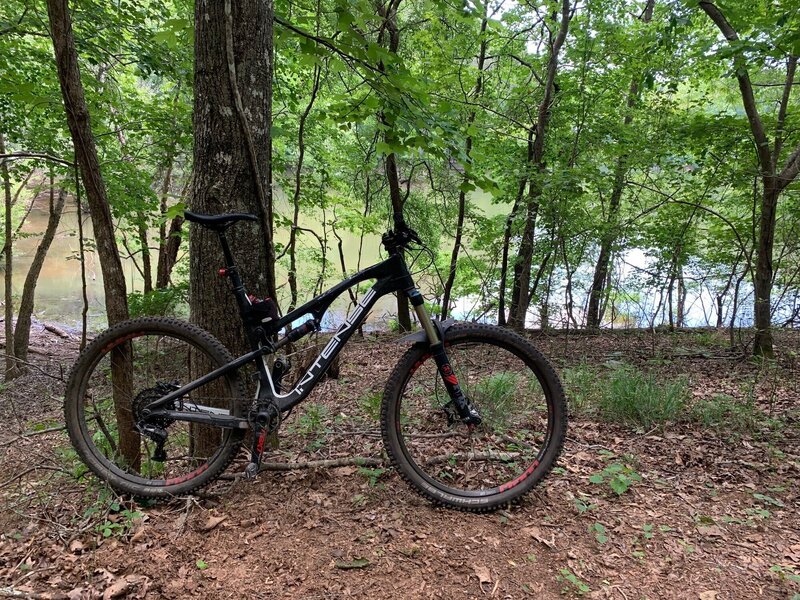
[(625, 395), (726, 414)]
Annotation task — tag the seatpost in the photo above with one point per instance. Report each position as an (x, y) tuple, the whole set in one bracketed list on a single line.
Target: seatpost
[(232, 272)]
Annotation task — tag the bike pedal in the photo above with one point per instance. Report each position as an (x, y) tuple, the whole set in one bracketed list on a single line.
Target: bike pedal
[(251, 471)]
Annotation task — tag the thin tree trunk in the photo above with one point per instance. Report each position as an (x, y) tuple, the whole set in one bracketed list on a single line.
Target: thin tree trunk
[(389, 14), (87, 159), (22, 329), (507, 230), (681, 313), (301, 152), (82, 256), (8, 275), (610, 233), (522, 268), (462, 195)]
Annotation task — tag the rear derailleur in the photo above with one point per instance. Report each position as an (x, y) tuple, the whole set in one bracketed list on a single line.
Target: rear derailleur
[(154, 427)]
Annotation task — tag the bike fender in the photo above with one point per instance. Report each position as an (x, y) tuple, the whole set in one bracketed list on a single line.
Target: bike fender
[(420, 337)]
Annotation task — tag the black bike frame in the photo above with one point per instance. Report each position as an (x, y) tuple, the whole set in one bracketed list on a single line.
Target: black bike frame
[(391, 276)]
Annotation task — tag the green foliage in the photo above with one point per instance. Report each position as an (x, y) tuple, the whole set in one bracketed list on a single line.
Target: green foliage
[(370, 403), (372, 475), (170, 301), (619, 477), (572, 584), (726, 414)]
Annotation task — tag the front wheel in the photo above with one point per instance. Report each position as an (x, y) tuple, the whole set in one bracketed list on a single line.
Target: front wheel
[(109, 393), (519, 398)]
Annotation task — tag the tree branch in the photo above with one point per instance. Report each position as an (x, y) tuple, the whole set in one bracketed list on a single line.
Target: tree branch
[(746, 89)]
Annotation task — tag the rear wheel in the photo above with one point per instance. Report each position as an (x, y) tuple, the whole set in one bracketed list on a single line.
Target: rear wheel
[(523, 411), (114, 382)]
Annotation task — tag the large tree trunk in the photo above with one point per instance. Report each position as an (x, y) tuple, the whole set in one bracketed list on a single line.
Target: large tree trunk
[(224, 176), (7, 251), (22, 329)]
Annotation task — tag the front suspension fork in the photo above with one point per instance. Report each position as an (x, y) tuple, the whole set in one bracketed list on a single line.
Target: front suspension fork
[(463, 406)]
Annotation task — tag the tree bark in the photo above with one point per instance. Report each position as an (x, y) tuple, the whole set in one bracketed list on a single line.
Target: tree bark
[(389, 14), (116, 299), (298, 176), (22, 330), (226, 178)]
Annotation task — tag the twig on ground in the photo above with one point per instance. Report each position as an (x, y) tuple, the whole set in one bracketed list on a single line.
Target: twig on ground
[(28, 434), (8, 482)]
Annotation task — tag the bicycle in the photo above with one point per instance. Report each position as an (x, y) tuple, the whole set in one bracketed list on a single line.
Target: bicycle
[(472, 416)]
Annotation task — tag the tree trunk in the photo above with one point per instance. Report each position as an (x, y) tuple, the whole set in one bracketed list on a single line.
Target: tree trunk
[(507, 230), (22, 329), (609, 236), (8, 251), (462, 195), (681, 312), (147, 267), (168, 255), (522, 268), (389, 14), (298, 176), (763, 276), (225, 179), (116, 299)]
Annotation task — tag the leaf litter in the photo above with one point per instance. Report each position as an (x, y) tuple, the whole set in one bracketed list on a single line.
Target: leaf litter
[(713, 517)]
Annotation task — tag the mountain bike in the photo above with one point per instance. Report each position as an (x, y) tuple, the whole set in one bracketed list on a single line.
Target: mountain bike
[(472, 416)]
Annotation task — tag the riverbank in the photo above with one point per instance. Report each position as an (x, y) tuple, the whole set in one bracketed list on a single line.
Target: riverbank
[(708, 508)]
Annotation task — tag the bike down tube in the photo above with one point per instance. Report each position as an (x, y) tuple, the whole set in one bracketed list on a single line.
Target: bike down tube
[(385, 285)]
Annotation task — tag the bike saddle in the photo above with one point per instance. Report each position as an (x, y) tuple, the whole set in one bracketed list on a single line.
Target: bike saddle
[(218, 222)]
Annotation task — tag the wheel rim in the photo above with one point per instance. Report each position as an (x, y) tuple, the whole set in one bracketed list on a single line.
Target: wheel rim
[(498, 455), (132, 371)]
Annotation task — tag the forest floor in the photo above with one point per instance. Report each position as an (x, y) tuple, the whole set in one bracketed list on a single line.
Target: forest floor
[(710, 509)]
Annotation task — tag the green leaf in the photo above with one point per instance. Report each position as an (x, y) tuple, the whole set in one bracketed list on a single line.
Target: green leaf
[(356, 563), (596, 478), (619, 484), (201, 564)]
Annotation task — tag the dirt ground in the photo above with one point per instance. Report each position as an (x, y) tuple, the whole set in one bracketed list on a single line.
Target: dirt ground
[(713, 517)]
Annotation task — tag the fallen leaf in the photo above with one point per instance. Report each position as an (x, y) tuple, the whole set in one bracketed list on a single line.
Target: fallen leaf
[(710, 531), (709, 595), (356, 563), (213, 522), (116, 589), (537, 534), (482, 573)]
